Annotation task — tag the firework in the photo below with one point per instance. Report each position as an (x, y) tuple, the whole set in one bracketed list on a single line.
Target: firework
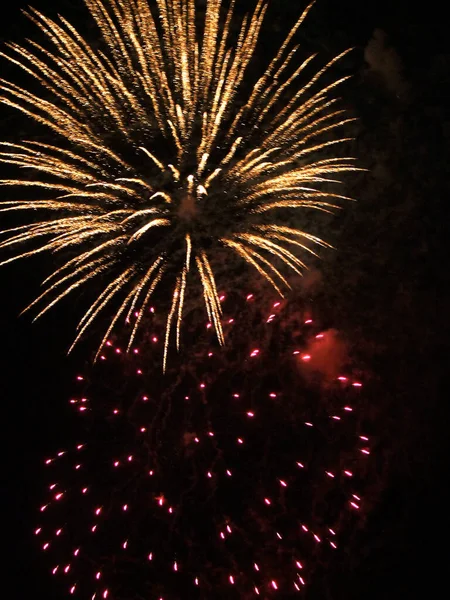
[(234, 480), (160, 161)]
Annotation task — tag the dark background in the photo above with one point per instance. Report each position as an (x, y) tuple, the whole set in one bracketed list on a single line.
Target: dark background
[(384, 286)]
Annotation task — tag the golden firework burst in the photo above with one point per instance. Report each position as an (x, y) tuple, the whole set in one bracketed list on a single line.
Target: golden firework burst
[(155, 165)]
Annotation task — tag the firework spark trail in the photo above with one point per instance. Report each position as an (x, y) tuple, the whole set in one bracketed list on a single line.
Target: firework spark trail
[(162, 88)]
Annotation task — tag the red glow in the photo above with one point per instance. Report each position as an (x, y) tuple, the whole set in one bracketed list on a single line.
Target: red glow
[(264, 581)]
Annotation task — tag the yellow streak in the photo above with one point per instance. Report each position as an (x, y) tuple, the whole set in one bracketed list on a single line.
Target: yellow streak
[(161, 74)]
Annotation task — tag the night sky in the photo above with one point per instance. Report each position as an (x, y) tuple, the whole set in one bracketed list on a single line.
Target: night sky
[(384, 286)]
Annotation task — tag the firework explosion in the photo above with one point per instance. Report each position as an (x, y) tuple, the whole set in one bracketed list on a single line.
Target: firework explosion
[(165, 160), (232, 480)]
